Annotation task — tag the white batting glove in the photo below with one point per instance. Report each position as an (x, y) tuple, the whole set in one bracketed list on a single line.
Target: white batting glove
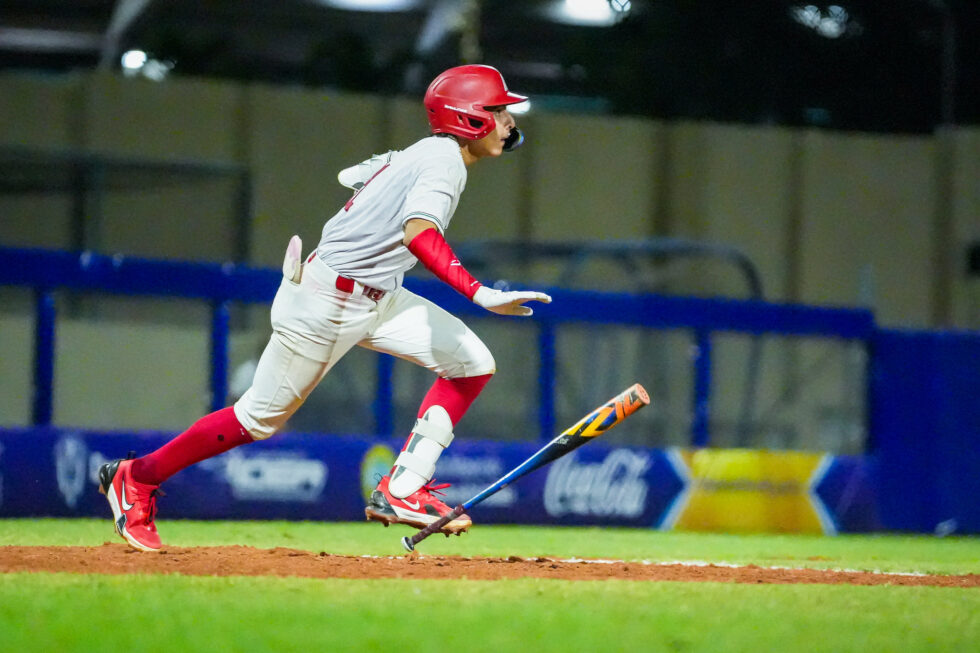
[(292, 264), (508, 302)]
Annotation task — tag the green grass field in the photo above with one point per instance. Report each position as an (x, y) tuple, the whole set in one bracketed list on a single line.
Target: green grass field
[(67, 612)]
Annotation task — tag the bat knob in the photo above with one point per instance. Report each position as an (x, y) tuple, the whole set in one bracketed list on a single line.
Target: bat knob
[(407, 543)]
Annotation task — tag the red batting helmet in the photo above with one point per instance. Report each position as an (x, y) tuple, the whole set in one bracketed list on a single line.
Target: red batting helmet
[(455, 101)]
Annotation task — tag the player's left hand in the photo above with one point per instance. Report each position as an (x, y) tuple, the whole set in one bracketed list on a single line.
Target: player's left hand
[(509, 302)]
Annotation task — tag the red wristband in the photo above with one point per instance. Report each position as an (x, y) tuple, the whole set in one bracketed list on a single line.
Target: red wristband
[(436, 255)]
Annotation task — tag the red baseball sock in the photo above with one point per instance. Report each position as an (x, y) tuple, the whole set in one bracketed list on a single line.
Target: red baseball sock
[(209, 436), (455, 395)]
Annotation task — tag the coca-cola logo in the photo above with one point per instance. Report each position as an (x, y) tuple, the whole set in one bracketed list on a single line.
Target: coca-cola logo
[(612, 488)]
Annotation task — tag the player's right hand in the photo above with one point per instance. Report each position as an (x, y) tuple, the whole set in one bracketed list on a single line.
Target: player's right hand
[(508, 302)]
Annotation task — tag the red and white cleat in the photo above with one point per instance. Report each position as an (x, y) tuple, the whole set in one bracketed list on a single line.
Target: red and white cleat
[(134, 504), (419, 509)]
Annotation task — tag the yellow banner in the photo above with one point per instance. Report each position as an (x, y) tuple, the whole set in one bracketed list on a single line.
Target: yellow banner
[(744, 490)]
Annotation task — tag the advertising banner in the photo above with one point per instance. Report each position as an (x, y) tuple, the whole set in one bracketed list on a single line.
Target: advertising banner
[(53, 472), (742, 490)]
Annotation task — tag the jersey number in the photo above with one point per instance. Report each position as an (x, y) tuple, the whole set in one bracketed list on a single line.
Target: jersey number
[(350, 202)]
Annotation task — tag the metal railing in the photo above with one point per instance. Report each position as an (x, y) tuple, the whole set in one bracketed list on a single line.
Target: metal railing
[(220, 285), (638, 260)]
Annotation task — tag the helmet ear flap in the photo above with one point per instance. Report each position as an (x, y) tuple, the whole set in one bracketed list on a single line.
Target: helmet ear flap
[(469, 122), (472, 127)]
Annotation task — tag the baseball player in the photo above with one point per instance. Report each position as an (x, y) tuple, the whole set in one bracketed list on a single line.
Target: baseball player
[(349, 292)]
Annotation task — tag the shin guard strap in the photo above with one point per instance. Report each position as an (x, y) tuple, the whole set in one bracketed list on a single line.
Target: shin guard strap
[(411, 462), (435, 432)]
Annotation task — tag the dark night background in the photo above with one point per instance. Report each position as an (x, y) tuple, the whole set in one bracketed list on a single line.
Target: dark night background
[(749, 62)]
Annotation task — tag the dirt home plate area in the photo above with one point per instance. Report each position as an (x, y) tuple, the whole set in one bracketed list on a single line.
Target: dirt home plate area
[(112, 558)]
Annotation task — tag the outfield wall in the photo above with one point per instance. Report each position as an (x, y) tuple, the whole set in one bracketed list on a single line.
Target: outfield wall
[(921, 460), (829, 217), (54, 472)]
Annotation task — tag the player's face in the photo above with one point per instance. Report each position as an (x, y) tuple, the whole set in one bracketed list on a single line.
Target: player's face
[(493, 143)]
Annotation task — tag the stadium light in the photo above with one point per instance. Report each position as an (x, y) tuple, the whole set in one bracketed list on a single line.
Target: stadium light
[(592, 13), (371, 5), (136, 63), (132, 61), (832, 22)]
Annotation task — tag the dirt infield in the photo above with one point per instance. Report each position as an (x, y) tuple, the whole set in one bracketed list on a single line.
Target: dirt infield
[(246, 561)]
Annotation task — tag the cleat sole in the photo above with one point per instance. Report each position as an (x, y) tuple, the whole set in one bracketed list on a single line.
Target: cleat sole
[(452, 528)]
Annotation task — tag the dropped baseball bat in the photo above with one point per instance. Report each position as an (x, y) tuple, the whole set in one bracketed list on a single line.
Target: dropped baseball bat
[(589, 427)]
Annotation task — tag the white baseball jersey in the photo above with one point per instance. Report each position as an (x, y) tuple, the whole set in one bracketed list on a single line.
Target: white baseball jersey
[(363, 240)]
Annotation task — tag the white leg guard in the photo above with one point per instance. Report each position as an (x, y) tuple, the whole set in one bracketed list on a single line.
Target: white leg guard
[(416, 465)]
